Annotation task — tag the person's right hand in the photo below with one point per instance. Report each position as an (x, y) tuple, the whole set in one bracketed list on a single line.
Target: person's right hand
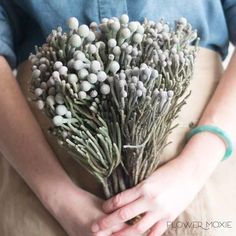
[(76, 210)]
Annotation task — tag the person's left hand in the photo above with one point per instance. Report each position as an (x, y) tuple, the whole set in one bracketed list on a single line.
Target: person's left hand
[(162, 197)]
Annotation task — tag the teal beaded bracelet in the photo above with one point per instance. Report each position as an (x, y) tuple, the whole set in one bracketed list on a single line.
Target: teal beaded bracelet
[(216, 130)]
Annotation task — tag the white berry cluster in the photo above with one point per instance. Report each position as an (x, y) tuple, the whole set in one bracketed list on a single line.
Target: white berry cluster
[(112, 91)]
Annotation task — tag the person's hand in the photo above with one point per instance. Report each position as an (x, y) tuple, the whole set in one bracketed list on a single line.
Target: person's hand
[(76, 210), (162, 197)]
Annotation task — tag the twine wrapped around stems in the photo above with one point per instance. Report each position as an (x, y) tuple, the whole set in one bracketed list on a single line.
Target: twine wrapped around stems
[(113, 91)]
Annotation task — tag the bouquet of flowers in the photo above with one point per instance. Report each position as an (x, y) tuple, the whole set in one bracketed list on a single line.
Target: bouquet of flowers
[(112, 91)]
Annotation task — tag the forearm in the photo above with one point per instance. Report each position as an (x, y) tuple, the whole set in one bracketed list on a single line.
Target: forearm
[(23, 144), (205, 150)]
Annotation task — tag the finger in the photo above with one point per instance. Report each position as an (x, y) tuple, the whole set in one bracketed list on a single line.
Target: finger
[(141, 226), (103, 233), (121, 199), (110, 231), (159, 228), (117, 228), (121, 215)]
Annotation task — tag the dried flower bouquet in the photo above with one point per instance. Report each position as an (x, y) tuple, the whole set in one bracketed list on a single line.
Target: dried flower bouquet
[(113, 91)]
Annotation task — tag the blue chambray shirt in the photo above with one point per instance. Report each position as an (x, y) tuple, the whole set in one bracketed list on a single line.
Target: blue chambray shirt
[(25, 23)]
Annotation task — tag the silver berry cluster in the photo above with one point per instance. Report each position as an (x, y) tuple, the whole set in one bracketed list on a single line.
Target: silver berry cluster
[(113, 89)]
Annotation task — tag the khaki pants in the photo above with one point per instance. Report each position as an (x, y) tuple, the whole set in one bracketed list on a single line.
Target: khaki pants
[(21, 213)]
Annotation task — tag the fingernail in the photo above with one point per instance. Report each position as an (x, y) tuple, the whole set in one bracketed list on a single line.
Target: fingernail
[(95, 228)]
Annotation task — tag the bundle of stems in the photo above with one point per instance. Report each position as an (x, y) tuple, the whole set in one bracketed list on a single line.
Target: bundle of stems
[(113, 91)]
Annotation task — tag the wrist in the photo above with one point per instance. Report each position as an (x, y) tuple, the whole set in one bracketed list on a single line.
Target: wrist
[(203, 152), (205, 146), (56, 197)]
